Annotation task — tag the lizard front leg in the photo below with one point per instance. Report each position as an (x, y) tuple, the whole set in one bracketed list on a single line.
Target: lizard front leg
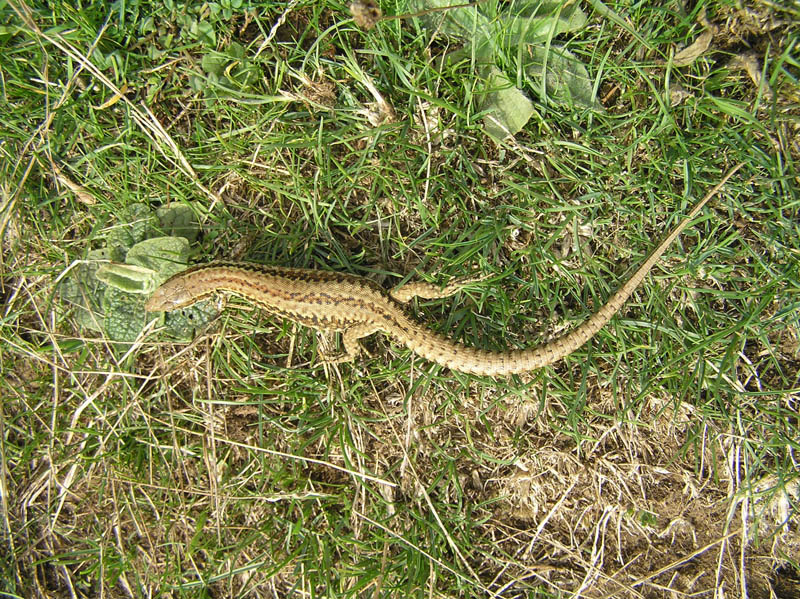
[(352, 347)]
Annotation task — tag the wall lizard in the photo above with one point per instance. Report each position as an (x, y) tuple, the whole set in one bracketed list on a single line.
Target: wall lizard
[(358, 307)]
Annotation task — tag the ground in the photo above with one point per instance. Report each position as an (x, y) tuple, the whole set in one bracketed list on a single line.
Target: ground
[(658, 460)]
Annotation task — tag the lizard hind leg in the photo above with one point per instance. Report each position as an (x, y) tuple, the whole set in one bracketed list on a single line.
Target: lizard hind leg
[(350, 342)]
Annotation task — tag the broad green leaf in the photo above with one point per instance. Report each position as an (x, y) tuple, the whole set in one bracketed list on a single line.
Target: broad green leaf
[(164, 255), (509, 107), (147, 25), (197, 82), (187, 322), (108, 295), (533, 22), (136, 224), (213, 62), (179, 220), (140, 220), (128, 278), (124, 314), (235, 51), (466, 22), (523, 25), (204, 33), (83, 291), (566, 79)]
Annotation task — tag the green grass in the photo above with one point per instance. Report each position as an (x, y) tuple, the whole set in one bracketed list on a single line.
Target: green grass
[(237, 465)]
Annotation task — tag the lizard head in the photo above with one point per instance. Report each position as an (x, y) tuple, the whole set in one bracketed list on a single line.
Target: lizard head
[(171, 295)]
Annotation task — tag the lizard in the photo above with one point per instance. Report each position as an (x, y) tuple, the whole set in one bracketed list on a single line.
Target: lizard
[(357, 307)]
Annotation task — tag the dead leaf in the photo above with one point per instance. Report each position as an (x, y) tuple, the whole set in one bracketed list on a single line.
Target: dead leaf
[(322, 93), (366, 13), (750, 63), (691, 53), (380, 112), (113, 99), (677, 94), (80, 192)]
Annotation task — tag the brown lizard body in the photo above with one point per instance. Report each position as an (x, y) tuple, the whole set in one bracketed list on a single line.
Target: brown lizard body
[(359, 307)]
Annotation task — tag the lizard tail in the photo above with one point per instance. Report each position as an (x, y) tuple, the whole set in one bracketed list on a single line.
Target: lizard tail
[(456, 356)]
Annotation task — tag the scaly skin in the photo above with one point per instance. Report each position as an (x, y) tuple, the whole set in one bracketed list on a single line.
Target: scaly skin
[(359, 307)]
